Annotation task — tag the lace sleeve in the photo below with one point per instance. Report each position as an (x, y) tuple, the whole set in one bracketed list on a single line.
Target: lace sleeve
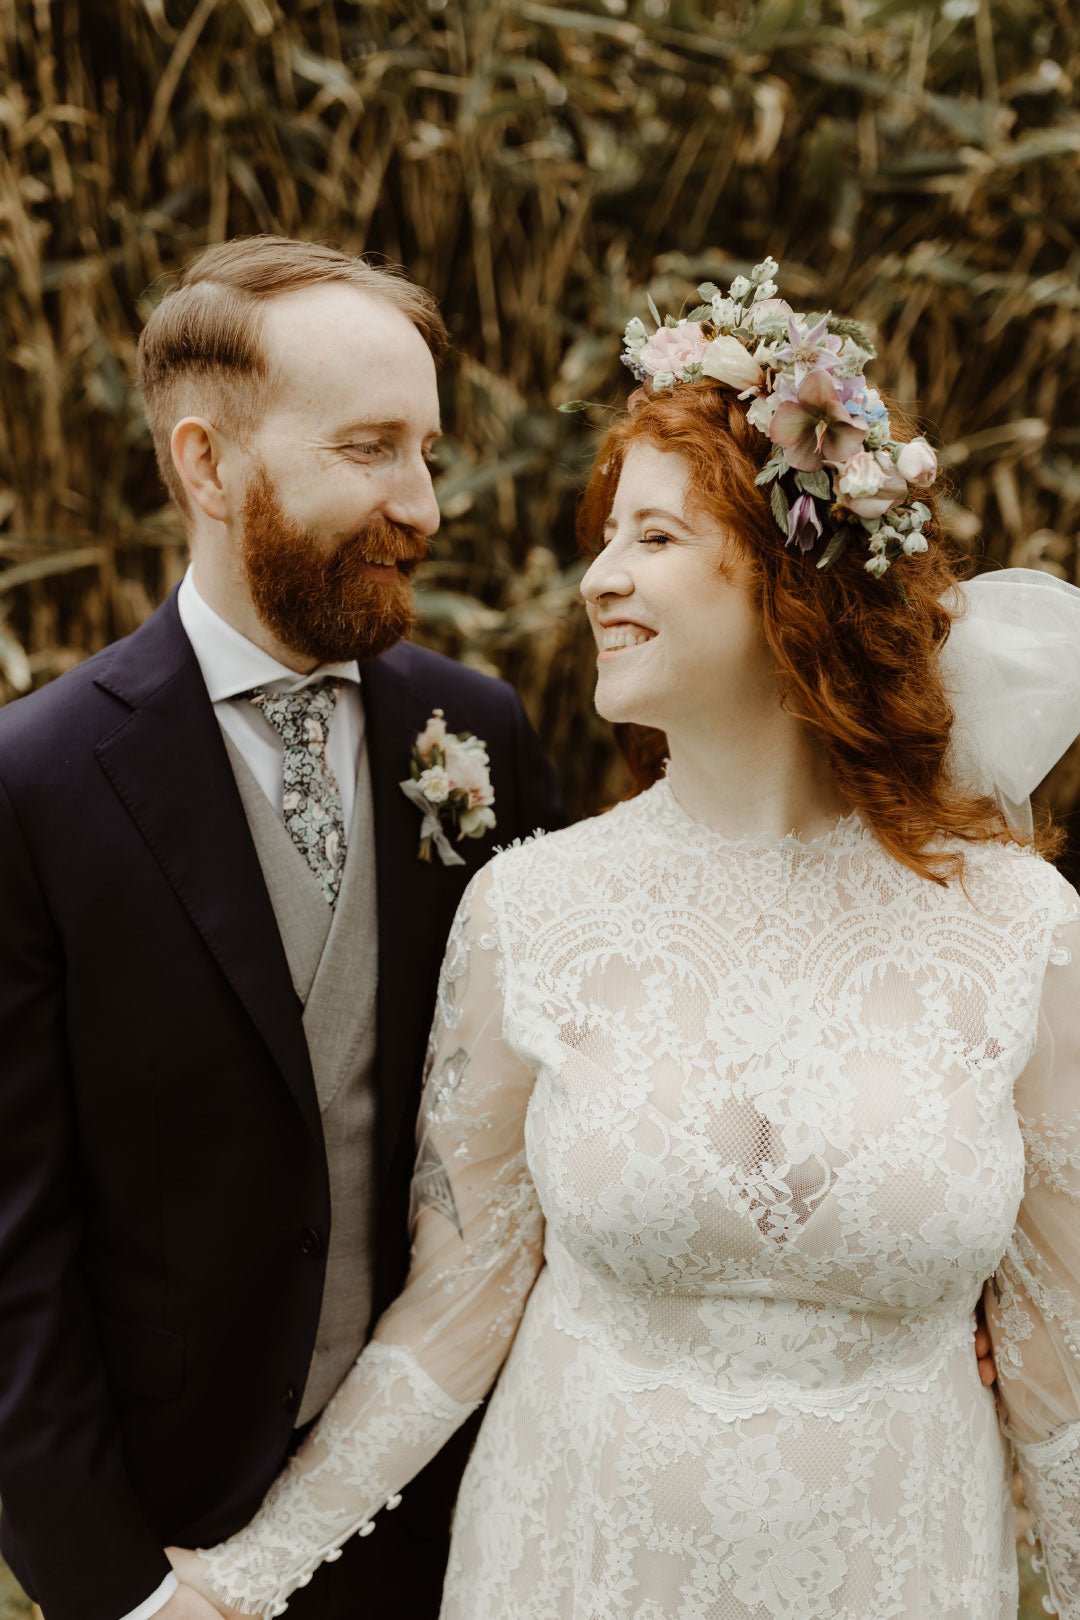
[(1033, 1302), (477, 1242)]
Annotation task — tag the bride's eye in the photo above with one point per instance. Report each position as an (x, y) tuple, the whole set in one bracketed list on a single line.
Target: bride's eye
[(655, 539)]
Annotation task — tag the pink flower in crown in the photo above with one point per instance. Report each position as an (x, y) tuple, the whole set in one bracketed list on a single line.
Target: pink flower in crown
[(815, 427), (767, 309), (917, 463), (811, 348), (869, 485), (673, 348), (804, 524)]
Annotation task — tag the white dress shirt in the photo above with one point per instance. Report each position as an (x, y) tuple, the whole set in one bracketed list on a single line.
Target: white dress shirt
[(157, 1600), (232, 664)]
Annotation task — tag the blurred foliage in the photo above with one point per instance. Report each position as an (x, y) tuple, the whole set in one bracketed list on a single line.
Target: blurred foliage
[(13, 1606), (539, 166)]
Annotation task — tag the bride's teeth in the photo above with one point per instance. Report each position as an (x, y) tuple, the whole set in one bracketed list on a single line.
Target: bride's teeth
[(615, 639)]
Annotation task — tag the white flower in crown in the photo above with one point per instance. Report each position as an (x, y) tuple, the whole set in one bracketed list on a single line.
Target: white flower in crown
[(450, 785), (835, 471)]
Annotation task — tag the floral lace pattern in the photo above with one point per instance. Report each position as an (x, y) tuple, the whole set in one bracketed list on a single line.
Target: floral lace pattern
[(730, 1135), (1050, 1472), (399, 1414)]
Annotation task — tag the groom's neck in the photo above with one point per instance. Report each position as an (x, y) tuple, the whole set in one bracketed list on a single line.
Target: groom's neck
[(219, 580)]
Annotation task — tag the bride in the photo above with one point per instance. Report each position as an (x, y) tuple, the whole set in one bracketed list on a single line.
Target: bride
[(739, 1094)]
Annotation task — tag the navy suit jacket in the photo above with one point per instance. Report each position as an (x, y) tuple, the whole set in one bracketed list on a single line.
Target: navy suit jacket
[(164, 1203)]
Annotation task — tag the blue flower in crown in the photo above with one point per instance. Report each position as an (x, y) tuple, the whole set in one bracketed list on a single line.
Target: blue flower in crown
[(835, 472)]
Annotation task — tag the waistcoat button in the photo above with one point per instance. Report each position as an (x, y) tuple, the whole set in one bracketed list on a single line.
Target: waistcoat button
[(311, 1242)]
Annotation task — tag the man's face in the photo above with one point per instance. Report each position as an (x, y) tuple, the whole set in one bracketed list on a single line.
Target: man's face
[(337, 499)]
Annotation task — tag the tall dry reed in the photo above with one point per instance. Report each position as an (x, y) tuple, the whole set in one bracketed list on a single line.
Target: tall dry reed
[(539, 166)]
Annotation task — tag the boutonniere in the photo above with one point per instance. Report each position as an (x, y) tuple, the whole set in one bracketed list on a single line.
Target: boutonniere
[(451, 784)]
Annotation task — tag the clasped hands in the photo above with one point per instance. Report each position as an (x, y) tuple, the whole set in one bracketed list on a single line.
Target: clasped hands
[(195, 1599), (984, 1351)]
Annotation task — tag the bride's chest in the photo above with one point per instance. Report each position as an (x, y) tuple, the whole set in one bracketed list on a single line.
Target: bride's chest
[(782, 1082)]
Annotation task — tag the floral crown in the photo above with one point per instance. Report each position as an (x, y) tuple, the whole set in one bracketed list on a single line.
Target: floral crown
[(836, 473)]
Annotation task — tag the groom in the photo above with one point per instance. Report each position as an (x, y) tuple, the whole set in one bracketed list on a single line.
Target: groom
[(218, 955)]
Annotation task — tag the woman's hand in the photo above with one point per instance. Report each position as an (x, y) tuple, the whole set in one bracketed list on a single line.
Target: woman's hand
[(188, 1567), (984, 1349)]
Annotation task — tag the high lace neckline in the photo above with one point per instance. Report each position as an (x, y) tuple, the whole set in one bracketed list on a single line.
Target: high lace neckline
[(682, 825)]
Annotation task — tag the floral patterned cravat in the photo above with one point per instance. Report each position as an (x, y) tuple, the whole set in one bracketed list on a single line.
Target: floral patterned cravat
[(312, 799)]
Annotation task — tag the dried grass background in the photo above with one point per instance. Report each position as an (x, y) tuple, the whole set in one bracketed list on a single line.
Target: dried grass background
[(539, 166)]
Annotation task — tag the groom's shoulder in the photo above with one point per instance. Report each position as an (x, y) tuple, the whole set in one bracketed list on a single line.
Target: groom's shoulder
[(66, 706), (87, 702), (437, 680)]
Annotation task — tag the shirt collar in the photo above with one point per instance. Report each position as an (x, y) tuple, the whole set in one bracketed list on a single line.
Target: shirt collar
[(230, 663)]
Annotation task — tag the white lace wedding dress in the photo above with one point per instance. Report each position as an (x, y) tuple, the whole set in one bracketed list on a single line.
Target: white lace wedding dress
[(730, 1135)]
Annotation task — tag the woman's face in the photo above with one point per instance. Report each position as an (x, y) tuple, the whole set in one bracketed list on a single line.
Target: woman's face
[(678, 637)]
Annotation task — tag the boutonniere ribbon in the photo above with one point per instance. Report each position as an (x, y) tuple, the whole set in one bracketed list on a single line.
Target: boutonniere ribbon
[(450, 784)]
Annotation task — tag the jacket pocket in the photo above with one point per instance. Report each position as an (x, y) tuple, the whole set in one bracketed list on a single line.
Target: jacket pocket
[(145, 1360)]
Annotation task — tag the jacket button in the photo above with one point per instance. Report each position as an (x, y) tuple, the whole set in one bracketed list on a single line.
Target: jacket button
[(291, 1399), (311, 1242)]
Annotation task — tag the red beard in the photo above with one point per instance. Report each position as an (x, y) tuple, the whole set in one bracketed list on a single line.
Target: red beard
[(321, 604)]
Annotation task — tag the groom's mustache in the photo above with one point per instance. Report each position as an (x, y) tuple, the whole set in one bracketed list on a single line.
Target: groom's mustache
[(379, 541)]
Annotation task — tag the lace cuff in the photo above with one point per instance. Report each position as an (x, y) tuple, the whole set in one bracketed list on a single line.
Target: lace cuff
[(1050, 1470), (387, 1420)]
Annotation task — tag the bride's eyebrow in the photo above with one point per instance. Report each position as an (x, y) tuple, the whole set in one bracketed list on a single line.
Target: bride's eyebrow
[(645, 513)]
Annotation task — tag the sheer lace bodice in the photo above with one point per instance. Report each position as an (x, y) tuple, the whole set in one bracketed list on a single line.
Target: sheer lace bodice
[(731, 1135)]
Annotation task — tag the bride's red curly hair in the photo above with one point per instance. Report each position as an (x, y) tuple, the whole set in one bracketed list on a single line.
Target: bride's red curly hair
[(856, 661)]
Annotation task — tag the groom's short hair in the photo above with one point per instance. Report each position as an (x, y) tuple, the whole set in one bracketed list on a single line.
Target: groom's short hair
[(202, 350)]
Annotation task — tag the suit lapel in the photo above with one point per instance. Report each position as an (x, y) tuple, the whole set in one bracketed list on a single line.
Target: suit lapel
[(416, 900), (168, 764)]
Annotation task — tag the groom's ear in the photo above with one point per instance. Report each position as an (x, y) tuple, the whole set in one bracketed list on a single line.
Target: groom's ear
[(196, 452)]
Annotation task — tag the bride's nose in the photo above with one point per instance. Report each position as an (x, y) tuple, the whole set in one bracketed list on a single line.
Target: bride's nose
[(606, 575)]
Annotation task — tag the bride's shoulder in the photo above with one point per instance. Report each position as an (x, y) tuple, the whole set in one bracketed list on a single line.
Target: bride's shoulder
[(545, 857), (565, 843), (1015, 879)]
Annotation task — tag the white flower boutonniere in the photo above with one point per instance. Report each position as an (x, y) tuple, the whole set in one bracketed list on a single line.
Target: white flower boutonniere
[(451, 785)]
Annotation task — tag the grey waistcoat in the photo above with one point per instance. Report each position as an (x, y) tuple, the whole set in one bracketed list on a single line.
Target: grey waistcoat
[(333, 960)]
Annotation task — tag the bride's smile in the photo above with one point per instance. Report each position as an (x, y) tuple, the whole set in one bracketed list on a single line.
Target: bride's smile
[(669, 579), (671, 587), (621, 635)]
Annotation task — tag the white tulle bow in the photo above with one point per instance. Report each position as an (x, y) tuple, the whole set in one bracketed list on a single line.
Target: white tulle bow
[(1012, 667)]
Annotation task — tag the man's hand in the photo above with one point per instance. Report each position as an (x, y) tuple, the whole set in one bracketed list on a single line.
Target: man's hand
[(205, 1605), (187, 1604), (984, 1351)]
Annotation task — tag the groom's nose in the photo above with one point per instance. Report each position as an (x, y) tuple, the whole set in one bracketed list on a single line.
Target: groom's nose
[(411, 500)]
